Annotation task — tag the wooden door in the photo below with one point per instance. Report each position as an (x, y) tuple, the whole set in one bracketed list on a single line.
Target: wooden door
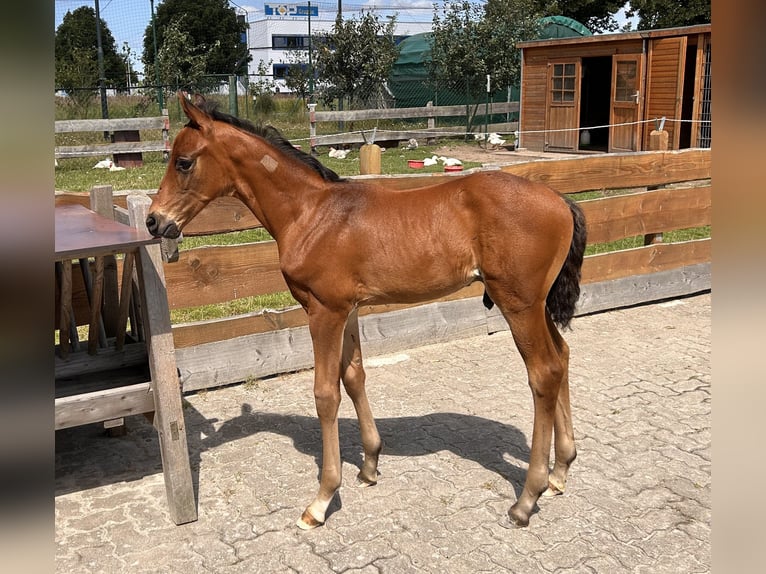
[(665, 84), (563, 104), (626, 103)]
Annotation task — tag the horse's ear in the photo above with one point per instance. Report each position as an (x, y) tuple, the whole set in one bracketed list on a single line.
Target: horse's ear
[(197, 118)]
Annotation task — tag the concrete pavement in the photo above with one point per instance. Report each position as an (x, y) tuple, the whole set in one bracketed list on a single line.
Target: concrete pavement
[(456, 420)]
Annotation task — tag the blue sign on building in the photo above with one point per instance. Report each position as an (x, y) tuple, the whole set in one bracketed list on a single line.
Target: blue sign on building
[(290, 10)]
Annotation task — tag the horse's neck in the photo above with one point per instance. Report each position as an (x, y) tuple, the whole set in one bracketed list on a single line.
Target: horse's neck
[(278, 189)]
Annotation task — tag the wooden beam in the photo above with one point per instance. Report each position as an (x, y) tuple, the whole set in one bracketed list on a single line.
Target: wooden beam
[(108, 404), (617, 170), (612, 218)]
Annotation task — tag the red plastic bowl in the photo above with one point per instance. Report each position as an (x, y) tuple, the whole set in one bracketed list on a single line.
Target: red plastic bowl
[(453, 168), (415, 163)]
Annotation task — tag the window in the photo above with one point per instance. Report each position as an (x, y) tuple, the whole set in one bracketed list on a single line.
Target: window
[(292, 42), (626, 81), (563, 83)]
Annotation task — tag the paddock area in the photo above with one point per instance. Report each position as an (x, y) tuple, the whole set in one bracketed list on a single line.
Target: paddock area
[(455, 418)]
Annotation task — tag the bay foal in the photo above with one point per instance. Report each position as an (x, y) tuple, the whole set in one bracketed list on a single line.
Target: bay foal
[(346, 243)]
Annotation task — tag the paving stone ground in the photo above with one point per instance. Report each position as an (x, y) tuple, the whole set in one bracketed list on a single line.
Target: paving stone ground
[(456, 421)]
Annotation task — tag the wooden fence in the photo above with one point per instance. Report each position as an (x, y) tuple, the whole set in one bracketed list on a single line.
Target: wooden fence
[(673, 192), (428, 112), (124, 138)]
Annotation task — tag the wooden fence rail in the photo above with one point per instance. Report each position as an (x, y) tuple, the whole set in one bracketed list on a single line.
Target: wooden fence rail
[(428, 112), (228, 350)]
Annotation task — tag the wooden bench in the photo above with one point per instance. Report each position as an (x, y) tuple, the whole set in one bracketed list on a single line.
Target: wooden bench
[(124, 141)]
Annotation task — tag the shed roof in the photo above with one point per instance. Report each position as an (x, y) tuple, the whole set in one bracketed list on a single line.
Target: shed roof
[(634, 35)]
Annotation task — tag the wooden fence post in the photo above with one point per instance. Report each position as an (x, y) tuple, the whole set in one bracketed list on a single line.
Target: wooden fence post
[(312, 128), (658, 141), (102, 202), (369, 159)]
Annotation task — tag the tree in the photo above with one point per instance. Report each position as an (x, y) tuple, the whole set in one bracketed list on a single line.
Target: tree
[(471, 40), (654, 14), (354, 59), (179, 63), (211, 27), (596, 15), (76, 53), (299, 73)]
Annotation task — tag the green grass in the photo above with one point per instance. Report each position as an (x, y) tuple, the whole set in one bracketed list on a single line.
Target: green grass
[(79, 175)]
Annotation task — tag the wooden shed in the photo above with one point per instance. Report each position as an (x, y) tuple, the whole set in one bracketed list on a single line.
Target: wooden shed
[(602, 93)]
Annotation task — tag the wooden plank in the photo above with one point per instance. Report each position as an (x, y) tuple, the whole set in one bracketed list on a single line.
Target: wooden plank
[(400, 135), (643, 260), (110, 124), (103, 405), (617, 170), (169, 417), (197, 333), (94, 150), (105, 359), (417, 112), (222, 215), (627, 291), (263, 354), (235, 360), (215, 274), (637, 289), (612, 218)]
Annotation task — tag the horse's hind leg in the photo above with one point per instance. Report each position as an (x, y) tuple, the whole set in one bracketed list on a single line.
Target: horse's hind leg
[(545, 372), (564, 445), (353, 376)]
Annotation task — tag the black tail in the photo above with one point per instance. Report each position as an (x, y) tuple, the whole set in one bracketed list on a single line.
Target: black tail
[(565, 292)]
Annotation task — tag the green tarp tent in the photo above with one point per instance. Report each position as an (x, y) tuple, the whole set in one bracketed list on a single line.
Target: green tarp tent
[(409, 81)]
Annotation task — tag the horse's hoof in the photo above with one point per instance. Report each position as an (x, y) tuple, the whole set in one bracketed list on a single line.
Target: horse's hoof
[(518, 519), (362, 482), (308, 522), (552, 491)]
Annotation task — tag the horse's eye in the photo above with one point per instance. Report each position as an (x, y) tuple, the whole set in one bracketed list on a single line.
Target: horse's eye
[(184, 165)]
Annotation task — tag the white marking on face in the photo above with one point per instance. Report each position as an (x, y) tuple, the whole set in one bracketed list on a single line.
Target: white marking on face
[(269, 163)]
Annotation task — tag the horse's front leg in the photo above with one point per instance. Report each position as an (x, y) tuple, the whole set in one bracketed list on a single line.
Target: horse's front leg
[(353, 376), (326, 329)]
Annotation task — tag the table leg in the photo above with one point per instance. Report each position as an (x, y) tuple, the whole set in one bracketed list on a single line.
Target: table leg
[(65, 301), (97, 293)]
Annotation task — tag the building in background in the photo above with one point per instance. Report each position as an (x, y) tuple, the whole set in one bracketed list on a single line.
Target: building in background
[(283, 28)]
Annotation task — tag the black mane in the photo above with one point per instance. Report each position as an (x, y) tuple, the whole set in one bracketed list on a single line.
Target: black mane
[(271, 135)]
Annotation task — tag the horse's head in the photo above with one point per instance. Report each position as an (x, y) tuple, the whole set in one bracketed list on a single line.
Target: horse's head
[(195, 175)]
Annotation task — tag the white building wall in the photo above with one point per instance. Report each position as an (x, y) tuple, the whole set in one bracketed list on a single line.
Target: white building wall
[(263, 29)]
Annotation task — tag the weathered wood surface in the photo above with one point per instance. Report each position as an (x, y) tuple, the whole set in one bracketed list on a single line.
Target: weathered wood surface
[(617, 170), (110, 124), (169, 416), (416, 112), (356, 137), (103, 360), (114, 126), (644, 260), (289, 349), (209, 275), (107, 149), (97, 406), (613, 218)]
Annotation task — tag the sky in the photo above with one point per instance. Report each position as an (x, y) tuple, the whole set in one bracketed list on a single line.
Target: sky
[(127, 19)]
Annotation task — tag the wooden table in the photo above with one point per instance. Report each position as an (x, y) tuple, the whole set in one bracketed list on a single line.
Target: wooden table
[(91, 384)]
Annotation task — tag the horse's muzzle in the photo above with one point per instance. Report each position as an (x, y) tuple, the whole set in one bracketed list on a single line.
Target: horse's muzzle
[(160, 228)]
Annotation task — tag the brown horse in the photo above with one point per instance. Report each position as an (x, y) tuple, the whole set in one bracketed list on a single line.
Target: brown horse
[(347, 243)]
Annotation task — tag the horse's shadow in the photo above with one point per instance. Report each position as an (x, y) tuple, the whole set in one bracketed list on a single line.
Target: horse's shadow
[(470, 437)]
